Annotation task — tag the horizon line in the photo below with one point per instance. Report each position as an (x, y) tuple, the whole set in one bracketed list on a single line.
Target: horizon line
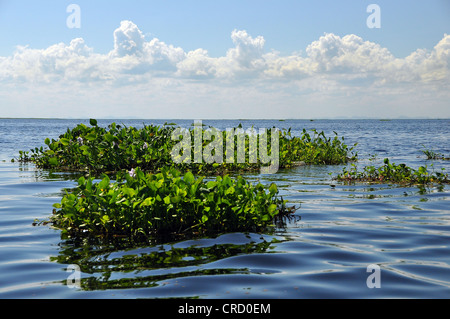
[(228, 119)]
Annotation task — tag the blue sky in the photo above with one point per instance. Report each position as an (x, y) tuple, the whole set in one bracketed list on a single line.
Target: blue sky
[(225, 59)]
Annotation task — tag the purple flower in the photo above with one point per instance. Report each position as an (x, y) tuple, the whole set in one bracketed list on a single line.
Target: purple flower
[(132, 173), (145, 146), (80, 140)]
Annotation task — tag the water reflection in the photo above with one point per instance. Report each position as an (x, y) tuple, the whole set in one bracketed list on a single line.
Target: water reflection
[(33, 174), (114, 265)]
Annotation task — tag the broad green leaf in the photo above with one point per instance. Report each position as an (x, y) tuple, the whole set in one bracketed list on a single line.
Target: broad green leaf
[(91, 136), (89, 184), (211, 184), (104, 183), (272, 208), (53, 161), (175, 199), (140, 174), (64, 141), (109, 137), (189, 178), (128, 191), (273, 188), (159, 183), (167, 200), (136, 203), (148, 201), (230, 190), (227, 180)]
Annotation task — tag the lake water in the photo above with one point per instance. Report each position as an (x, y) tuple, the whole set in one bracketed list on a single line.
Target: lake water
[(325, 254)]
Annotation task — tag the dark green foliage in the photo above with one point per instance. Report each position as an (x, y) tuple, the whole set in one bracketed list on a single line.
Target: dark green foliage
[(159, 196), (392, 173), (100, 150), (140, 204), (314, 149)]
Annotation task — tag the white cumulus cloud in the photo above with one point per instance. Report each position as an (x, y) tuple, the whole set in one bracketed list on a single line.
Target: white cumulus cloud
[(332, 56), (330, 67)]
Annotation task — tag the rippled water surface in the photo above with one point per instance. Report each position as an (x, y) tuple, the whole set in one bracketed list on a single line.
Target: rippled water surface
[(342, 228)]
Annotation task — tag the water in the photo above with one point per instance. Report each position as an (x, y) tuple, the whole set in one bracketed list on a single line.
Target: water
[(343, 228)]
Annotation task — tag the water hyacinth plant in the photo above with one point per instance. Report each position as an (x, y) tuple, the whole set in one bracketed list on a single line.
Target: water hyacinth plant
[(314, 148), (393, 173), (146, 205), (99, 150), (432, 155)]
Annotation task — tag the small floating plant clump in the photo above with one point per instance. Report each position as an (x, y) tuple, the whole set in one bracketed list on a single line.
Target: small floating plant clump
[(432, 155), (315, 148), (393, 173), (167, 203)]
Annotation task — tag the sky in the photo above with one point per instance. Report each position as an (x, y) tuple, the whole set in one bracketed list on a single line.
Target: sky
[(246, 59)]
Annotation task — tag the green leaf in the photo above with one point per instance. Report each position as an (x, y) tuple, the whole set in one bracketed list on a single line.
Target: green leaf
[(109, 137), (272, 208), (148, 201), (93, 122), (89, 184), (53, 161), (91, 136), (204, 219), (211, 184), (175, 199), (128, 191), (167, 200), (159, 183), (189, 178), (64, 141), (136, 203), (273, 189), (104, 183), (230, 190), (81, 180), (139, 174)]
